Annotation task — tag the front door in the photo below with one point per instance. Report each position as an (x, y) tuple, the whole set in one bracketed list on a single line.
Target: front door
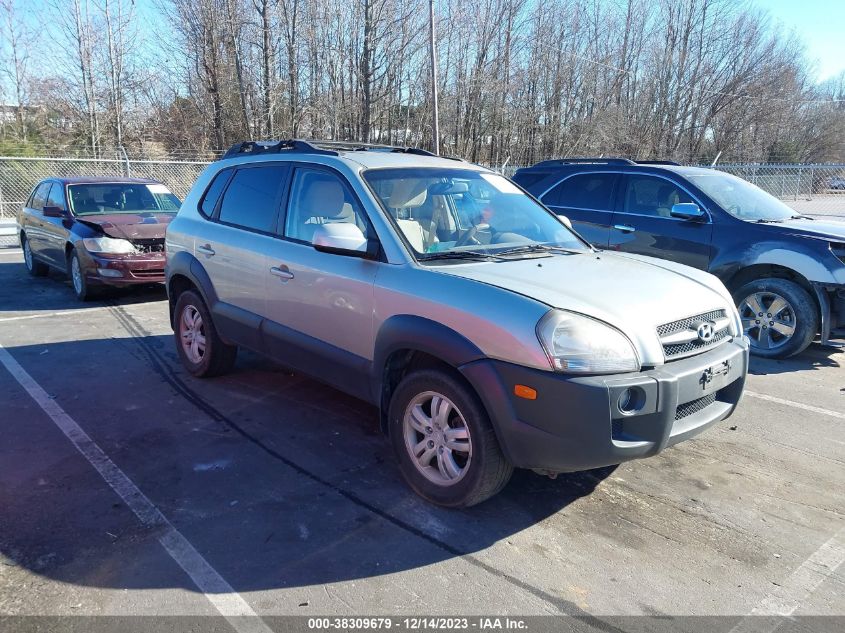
[(644, 224), (320, 305), (56, 229)]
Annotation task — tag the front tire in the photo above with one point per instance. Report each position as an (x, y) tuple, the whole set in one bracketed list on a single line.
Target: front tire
[(201, 350), (442, 436), (778, 316), (33, 266), (78, 279)]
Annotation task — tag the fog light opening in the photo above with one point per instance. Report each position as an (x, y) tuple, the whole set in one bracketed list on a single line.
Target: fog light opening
[(109, 272), (631, 400)]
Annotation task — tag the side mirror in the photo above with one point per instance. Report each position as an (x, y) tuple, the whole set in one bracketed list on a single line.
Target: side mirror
[(343, 238), (54, 212), (687, 211), (567, 222)]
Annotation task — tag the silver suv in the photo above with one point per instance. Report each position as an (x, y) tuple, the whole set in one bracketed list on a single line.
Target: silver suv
[(489, 334)]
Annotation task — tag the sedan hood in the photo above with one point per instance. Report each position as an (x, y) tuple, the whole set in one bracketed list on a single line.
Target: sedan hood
[(130, 226), (635, 294)]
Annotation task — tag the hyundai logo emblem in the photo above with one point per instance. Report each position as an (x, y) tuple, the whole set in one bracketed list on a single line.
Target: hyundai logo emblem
[(706, 332)]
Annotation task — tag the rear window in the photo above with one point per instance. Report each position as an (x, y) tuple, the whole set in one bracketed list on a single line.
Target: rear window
[(528, 179), (251, 199), (583, 191)]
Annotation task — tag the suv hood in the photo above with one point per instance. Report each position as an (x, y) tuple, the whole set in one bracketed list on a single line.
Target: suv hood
[(824, 229), (130, 226), (635, 294)]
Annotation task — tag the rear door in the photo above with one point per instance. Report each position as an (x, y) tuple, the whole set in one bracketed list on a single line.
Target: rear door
[(233, 245), (644, 224), (587, 199), (33, 220)]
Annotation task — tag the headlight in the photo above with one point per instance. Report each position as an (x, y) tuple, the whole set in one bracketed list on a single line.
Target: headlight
[(108, 245), (581, 345)]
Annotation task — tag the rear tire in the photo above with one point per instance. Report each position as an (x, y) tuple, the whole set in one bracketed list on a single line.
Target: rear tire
[(779, 316), (201, 350), (444, 442), (33, 266)]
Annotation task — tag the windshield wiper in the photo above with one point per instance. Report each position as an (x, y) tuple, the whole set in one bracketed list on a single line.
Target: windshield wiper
[(768, 221), (801, 217), (457, 255), (536, 248)]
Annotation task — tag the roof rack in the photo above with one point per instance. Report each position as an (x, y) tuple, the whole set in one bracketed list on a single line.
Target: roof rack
[(576, 161), (658, 162), (327, 147)]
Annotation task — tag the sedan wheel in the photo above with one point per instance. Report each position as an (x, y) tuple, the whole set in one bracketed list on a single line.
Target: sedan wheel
[(768, 319), (35, 268), (437, 438), (76, 275)]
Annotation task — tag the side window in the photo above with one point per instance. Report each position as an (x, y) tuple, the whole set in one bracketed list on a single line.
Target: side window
[(251, 199), (56, 198), (584, 191), (39, 197), (320, 197), (212, 194), (647, 195)]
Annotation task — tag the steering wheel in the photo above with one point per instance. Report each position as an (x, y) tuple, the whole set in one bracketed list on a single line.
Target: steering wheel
[(468, 237)]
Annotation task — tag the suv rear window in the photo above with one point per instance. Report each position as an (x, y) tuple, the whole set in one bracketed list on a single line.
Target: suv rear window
[(251, 199), (583, 191)]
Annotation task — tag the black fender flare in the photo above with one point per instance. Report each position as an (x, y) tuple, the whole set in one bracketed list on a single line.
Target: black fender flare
[(185, 264), (415, 333)]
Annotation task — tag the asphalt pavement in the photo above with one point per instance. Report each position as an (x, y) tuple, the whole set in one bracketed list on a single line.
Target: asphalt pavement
[(129, 487)]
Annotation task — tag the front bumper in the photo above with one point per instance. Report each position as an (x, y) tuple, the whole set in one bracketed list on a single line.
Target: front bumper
[(576, 423), (125, 270)]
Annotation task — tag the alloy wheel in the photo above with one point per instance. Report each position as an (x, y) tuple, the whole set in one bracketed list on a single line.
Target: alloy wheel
[(76, 274), (767, 319), (27, 255), (437, 438), (192, 334)]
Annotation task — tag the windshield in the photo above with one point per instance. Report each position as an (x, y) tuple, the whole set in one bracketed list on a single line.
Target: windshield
[(742, 199), (464, 213), (99, 198)]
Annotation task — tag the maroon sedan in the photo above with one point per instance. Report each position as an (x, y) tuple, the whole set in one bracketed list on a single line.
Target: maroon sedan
[(100, 231)]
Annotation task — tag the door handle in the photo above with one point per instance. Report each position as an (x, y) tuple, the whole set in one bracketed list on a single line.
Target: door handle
[(206, 250), (281, 272), (625, 228)]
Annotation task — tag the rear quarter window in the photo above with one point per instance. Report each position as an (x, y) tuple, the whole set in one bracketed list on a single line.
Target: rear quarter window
[(212, 194)]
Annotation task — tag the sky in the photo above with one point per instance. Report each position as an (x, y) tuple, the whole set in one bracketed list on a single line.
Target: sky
[(821, 26)]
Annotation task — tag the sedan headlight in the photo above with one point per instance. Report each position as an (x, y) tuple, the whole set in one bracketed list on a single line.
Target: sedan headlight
[(108, 245), (580, 345)]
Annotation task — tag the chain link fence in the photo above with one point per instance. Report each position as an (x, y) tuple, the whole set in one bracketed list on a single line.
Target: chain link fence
[(816, 190)]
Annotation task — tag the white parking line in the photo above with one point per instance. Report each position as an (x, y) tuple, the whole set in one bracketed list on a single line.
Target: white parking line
[(222, 596), (797, 405), (796, 588), (11, 251), (42, 315)]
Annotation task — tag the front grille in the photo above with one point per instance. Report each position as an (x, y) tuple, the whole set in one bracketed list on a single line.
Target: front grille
[(685, 324), (153, 245), (680, 338), (695, 346), (694, 406)]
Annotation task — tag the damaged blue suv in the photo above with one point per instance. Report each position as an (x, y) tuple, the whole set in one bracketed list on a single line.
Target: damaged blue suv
[(786, 271)]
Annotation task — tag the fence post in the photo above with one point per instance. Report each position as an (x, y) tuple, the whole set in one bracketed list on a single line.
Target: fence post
[(126, 168)]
